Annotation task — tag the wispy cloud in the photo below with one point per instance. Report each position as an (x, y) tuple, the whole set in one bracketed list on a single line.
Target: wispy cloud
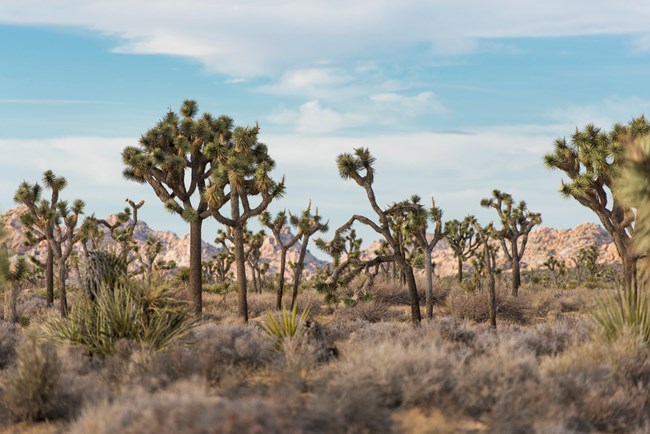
[(27, 101), (296, 35)]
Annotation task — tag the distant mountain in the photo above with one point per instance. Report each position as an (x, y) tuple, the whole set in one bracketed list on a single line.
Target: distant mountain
[(173, 247), (543, 242)]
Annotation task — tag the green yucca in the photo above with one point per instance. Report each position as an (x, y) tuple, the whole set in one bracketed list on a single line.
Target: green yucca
[(151, 316), (623, 314), (283, 324)]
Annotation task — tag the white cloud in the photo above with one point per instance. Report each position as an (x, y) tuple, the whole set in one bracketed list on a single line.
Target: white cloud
[(257, 38), (311, 118), (603, 114)]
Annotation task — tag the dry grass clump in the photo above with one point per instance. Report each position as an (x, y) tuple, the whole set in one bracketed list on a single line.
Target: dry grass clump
[(370, 311), (474, 307), (8, 341), (31, 387), (603, 387), (185, 407), (550, 339), (400, 372)]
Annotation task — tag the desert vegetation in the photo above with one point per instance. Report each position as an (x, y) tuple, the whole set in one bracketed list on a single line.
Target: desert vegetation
[(139, 345)]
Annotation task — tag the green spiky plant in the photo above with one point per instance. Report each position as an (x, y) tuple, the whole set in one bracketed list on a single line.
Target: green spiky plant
[(284, 324), (593, 160), (243, 173), (150, 315), (54, 221), (462, 239), (174, 158), (516, 223)]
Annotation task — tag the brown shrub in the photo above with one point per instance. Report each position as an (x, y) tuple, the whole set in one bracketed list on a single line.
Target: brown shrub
[(474, 307), (31, 388), (8, 342), (185, 407), (370, 311)]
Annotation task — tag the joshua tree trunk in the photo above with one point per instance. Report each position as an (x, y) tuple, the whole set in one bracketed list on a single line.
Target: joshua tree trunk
[(492, 296), (429, 272), (460, 269), (416, 317), (298, 273), (196, 279), (11, 296), (62, 289), (49, 276), (283, 265)]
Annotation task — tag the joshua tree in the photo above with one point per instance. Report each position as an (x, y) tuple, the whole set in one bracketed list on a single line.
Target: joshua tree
[(359, 167), (557, 268), (36, 225), (586, 260), (307, 224), (172, 157), (593, 160), (462, 240), (516, 224), (223, 260), (277, 224), (416, 227), (58, 224), (253, 255), (243, 172), (152, 248), (122, 229), (484, 234), (633, 188)]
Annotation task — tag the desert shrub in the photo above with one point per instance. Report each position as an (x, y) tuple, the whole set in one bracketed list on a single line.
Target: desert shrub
[(370, 311), (456, 330), (474, 307), (151, 316), (489, 382), (8, 342), (605, 385), (549, 339), (186, 407), (399, 373), (627, 312), (31, 387)]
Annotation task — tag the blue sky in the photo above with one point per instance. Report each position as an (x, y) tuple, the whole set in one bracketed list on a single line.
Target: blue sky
[(453, 98)]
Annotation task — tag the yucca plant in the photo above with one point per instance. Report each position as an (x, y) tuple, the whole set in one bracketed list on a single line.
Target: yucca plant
[(625, 313), (284, 324), (151, 316)]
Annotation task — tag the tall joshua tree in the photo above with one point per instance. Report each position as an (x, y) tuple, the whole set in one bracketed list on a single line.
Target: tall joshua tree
[(417, 227), (593, 159), (462, 239), (57, 224), (173, 158), (516, 223), (242, 173), (307, 225), (358, 166)]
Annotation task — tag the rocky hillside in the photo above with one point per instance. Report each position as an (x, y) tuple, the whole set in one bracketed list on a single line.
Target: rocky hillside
[(173, 247), (542, 243)]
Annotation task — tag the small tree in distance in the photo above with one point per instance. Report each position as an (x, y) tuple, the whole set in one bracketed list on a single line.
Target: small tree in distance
[(516, 224), (462, 240)]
